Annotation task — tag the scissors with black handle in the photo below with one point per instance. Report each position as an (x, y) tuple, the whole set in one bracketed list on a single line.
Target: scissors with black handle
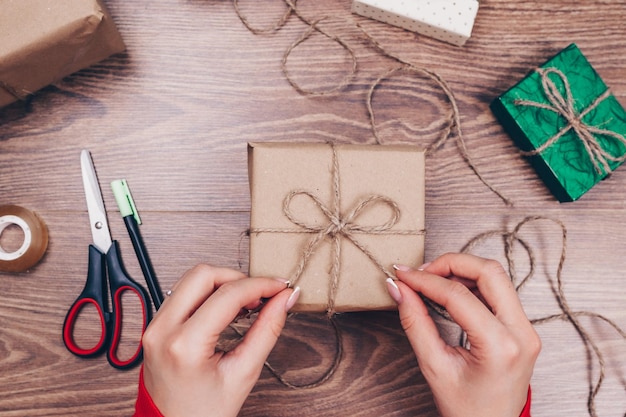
[(105, 265)]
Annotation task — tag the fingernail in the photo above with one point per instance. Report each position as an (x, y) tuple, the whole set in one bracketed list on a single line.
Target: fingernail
[(424, 266), (394, 291), (402, 268), (283, 281), (293, 298)]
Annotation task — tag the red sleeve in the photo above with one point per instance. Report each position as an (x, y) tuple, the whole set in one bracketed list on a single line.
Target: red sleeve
[(144, 406), (526, 410)]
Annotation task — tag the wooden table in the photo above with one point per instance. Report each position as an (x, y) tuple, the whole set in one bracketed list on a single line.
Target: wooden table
[(173, 115)]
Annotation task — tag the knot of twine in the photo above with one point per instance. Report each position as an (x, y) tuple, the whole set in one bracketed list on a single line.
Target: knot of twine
[(338, 225), (563, 104)]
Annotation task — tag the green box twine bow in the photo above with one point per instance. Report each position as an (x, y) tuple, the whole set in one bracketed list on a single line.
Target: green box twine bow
[(565, 118)]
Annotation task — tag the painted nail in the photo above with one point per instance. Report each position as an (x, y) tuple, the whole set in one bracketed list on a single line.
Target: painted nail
[(284, 281), (402, 268), (424, 266), (394, 291), (293, 298)]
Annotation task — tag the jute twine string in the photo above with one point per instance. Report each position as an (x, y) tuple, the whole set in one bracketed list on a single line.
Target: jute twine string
[(312, 27), (452, 122), (291, 8), (449, 122), (564, 106), (566, 314), (338, 225), (326, 375)]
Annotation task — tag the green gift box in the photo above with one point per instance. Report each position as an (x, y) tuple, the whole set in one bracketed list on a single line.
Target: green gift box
[(563, 116)]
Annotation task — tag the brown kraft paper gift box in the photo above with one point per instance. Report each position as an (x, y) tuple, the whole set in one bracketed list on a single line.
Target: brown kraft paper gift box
[(42, 41), (293, 184)]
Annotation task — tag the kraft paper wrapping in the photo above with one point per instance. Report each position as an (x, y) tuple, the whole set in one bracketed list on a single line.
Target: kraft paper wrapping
[(42, 41), (450, 21), (395, 172)]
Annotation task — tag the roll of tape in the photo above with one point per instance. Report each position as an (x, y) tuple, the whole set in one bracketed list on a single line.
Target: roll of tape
[(35, 239)]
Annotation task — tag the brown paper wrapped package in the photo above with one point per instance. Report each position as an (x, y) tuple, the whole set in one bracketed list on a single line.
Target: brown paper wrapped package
[(395, 172), (42, 41)]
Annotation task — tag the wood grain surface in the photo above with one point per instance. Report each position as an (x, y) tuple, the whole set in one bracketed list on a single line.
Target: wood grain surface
[(173, 115)]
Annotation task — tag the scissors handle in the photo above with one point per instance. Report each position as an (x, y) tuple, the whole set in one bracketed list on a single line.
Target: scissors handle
[(119, 283), (94, 293)]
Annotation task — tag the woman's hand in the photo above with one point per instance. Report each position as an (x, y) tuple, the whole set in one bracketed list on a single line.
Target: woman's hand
[(183, 372), (491, 378)]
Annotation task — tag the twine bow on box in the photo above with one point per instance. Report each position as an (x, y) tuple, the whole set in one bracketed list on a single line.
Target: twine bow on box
[(564, 106), (337, 225)]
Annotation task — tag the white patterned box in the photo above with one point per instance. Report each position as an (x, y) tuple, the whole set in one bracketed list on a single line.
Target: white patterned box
[(447, 20)]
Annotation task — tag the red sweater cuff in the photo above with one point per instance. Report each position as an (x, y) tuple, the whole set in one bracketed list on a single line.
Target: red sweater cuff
[(526, 410), (144, 406)]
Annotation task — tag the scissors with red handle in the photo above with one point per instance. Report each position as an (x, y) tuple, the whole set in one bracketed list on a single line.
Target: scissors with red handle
[(105, 265)]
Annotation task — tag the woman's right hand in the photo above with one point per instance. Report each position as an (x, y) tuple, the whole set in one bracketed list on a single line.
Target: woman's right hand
[(491, 378), (184, 373)]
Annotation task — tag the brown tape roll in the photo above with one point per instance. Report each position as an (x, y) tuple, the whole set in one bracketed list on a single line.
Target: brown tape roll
[(35, 239)]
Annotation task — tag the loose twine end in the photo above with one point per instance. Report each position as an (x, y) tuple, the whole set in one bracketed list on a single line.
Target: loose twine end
[(567, 313), (453, 122)]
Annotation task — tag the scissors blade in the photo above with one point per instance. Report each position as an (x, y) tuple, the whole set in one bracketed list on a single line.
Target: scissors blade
[(95, 204)]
